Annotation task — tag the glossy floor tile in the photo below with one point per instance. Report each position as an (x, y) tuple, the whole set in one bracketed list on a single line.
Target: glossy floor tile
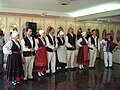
[(98, 79)]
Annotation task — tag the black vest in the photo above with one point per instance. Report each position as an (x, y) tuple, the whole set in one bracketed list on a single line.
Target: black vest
[(93, 41), (60, 42), (72, 41), (15, 48), (27, 43), (51, 42)]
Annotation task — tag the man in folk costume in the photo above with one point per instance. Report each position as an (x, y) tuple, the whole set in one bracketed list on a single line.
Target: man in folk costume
[(29, 46), (51, 47), (82, 57), (71, 47), (41, 61), (94, 46), (61, 51), (14, 68), (107, 42)]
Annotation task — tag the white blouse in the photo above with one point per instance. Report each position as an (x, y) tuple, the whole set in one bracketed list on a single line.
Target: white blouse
[(80, 40), (8, 46)]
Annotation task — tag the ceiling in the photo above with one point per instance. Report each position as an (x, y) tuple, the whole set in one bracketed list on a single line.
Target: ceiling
[(53, 7)]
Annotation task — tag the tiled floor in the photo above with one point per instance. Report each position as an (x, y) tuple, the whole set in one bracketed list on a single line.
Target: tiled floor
[(98, 79)]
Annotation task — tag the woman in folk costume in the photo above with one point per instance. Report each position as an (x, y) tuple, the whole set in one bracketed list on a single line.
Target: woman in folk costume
[(41, 62), (61, 51), (51, 47), (14, 67), (82, 57)]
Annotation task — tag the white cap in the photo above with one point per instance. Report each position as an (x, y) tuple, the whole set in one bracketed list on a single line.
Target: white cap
[(41, 32), (83, 33), (61, 33), (14, 34)]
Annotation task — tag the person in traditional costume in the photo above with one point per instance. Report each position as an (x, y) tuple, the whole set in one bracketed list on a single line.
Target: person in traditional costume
[(29, 47), (70, 41), (94, 46), (51, 47), (14, 68), (107, 49), (61, 51), (2, 42), (82, 57), (41, 61)]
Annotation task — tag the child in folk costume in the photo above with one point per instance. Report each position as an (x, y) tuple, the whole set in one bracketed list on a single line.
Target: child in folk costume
[(14, 67), (82, 57), (41, 62), (107, 48), (61, 51)]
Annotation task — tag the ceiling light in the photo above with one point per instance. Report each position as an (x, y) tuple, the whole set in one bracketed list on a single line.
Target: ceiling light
[(64, 2)]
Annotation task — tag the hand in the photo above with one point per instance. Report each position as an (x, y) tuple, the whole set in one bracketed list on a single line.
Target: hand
[(80, 45), (40, 47), (32, 49), (54, 49), (73, 46), (26, 46)]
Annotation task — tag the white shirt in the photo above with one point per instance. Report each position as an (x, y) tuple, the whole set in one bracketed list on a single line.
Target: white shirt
[(105, 46), (91, 45), (80, 40), (8, 46), (24, 48), (48, 44)]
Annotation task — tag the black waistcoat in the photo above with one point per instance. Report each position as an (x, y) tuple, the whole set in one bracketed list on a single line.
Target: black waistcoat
[(93, 41), (60, 42), (51, 42), (15, 48), (72, 41), (28, 43)]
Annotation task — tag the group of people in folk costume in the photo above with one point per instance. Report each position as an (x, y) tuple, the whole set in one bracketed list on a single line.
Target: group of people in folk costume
[(48, 53)]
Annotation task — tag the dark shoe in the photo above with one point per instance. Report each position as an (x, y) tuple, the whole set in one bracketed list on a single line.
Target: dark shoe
[(107, 67), (93, 67), (90, 68), (111, 68)]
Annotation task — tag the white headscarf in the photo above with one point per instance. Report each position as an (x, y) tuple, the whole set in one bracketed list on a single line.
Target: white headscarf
[(83, 33), (41, 32), (14, 34), (61, 33)]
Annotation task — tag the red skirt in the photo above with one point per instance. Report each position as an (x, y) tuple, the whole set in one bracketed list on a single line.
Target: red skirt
[(41, 61), (82, 57)]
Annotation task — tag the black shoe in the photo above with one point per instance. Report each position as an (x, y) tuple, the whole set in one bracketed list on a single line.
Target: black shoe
[(90, 68), (107, 67), (111, 68), (93, 67)]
